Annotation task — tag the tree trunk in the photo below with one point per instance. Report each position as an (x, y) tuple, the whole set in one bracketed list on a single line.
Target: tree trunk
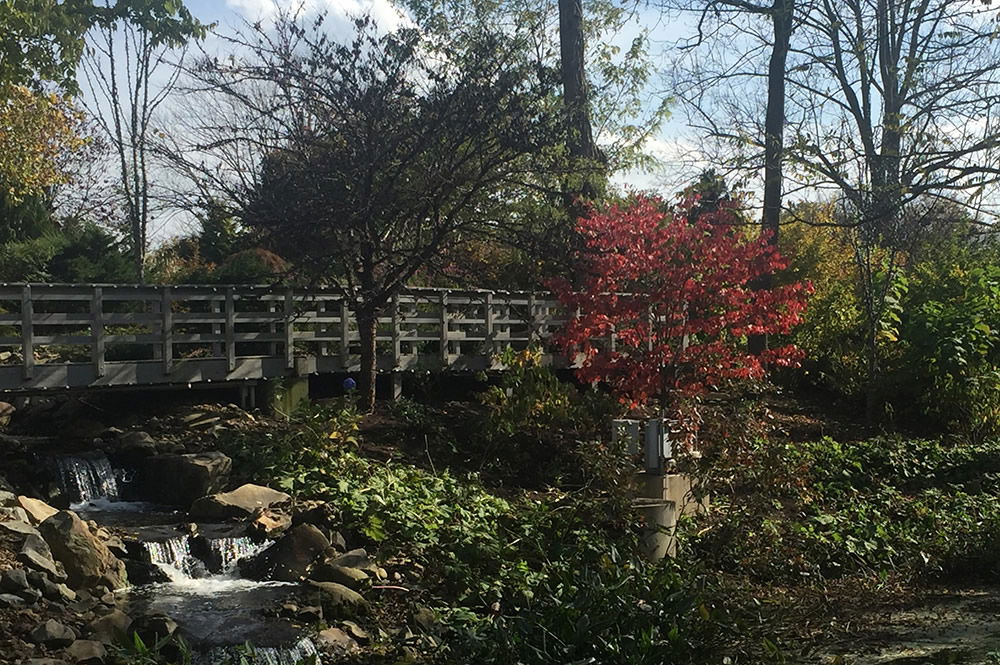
[(367, 329), (782, 17), (574, 79)]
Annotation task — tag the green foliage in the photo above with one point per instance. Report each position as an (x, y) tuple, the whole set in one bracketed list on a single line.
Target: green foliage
[(536, 578), (950, 359), (825, 509), (534, 421)]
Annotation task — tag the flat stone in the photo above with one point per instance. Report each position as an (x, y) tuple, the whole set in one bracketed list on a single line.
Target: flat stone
[(357, 558), (355, 631), (242, 502), (38, 511), (52, 634), (37, 560), (336, 640), (87, 652), (19, 528), (10, 601)]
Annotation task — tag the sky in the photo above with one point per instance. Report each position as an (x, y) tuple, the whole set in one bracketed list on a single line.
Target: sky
[(666, 146)]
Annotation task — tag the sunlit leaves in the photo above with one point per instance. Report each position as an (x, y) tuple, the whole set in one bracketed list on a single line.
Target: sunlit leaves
[(665, 303)]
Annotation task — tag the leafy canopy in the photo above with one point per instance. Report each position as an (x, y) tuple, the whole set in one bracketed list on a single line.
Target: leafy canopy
[(677, 296)]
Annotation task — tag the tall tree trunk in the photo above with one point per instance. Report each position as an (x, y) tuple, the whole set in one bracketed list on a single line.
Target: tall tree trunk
[(367, 329), (574, 80), (782, 19)]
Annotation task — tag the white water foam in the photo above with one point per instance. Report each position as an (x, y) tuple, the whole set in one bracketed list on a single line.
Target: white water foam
[(230, 550), (300, 652)]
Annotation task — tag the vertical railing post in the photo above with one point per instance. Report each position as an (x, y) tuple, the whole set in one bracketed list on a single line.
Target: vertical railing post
[(396, 343), (490, 345), (97, 329), (444, 329), (289, 329), (27, 332), (167, 329), (345, 335), (217, 328), (230, 329), (532, 320)]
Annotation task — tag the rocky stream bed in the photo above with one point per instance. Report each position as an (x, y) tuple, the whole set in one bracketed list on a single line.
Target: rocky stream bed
[(151, 545)]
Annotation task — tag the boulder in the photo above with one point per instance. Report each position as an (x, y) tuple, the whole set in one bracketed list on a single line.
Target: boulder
[(14, 580), (339, 602), (110, 628), (87, 652), (336, 641), (153, 628), (7, 499), (178, 480), (38, 511), (87, 560), (242, 502), (349, 577), (52, 634), (143, 572), (289, 558), (271, 523)]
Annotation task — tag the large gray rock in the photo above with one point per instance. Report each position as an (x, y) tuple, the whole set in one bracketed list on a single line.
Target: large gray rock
[(335, 641), (289, 558), (240, 503), (7, 499), (87, 560), (178, 480), (52, 634), (10, 601)]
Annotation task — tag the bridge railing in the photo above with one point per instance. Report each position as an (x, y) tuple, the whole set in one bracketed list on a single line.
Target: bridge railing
[(57, 336)]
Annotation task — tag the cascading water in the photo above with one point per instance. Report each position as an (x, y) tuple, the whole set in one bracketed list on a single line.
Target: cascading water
[(87, 478), (292, 655), (228, 551), (174, 557), (220, 611)]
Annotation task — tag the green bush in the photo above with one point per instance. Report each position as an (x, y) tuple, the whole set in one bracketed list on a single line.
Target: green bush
[(825, 509)]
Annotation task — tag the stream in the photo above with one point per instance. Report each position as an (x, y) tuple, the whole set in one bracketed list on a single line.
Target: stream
[(217, 611)]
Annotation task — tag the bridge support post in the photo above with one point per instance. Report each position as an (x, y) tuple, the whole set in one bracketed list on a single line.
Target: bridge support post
[(396, 388), (283, 396)]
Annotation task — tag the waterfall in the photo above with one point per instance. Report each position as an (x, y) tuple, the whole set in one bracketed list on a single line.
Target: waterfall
[(228, 551), (87, 478), (298, 653), (174, 557)]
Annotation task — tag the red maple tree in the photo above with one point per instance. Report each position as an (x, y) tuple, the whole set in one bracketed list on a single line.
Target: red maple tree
[(665, 303)]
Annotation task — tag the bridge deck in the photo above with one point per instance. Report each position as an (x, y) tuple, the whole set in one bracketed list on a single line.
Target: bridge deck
[(55, 336)]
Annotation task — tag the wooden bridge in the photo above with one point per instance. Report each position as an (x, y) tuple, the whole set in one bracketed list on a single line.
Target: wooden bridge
[(58, 336)]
